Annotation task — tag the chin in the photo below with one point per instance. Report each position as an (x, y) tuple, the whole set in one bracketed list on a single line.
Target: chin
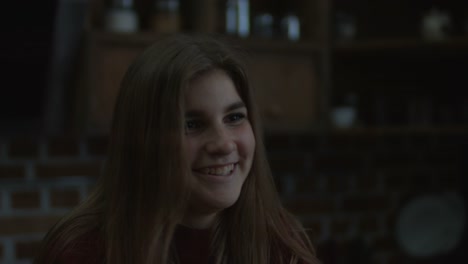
[(224, 204), (215, 204)]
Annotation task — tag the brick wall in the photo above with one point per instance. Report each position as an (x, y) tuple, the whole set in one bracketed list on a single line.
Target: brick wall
[(41, 180), (347, 188)]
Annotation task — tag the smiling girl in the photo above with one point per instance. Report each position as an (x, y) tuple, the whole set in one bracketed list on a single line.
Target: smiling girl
[(187, 179)]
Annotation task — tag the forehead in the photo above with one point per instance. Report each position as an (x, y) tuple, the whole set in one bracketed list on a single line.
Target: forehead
[(212, 89)]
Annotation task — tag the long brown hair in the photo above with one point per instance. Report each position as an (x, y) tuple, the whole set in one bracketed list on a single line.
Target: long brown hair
[(142, 195)]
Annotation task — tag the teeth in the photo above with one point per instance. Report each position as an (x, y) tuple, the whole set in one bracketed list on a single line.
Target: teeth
[(219, 171)]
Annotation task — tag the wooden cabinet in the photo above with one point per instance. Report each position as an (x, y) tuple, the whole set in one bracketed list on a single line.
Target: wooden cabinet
[(287, 88), (402, 81), (287, 75), (108, 57)]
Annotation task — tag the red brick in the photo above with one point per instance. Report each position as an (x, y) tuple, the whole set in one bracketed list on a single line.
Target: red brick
[(397, 142), (368, 225), (87, 169), (288, 164), (313, 230), (366, 142), (400, 257), (64, 198), (278, 142), (26, 225), (313, 206), (97, 145), (340, 227), (306, 184), (393, 160), (333, 251), (23, 148), (396, 180), (63, 147), (11, 172), (25, 200), (384, 243), (391, 220), (307, 141), (448, 159), (401, 201), (450, 180), (369, 203), (27, 250), (338, 183), (340, 141), (422, 182), (367, 182), (397, 259), (339, 162)]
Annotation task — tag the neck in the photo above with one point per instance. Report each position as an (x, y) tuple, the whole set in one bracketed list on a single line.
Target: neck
[(199, 221)]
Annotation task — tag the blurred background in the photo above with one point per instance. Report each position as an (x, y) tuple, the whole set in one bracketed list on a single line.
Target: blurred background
[(364, 103)]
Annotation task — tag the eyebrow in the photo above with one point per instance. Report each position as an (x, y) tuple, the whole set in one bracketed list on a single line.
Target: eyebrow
[(229, 108)]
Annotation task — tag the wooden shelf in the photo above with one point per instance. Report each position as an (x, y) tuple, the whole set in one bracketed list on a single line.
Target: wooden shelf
[(141, 39), (273, 64), (402, 130), (455, 44), (251, 44), (278, 45)]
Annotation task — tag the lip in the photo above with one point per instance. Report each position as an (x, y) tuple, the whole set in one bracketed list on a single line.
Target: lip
[(200, 169), (216, 178)]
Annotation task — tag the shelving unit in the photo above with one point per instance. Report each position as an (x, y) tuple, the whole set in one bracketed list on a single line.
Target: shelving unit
[(452, 44), (395, 74), (289, 76), (403, 130), (404, 83)]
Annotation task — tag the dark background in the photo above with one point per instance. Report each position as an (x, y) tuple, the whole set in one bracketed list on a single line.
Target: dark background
[(26, 51), (407, 164)]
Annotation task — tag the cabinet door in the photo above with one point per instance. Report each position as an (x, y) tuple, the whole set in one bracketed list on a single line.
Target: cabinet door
[(286, 89), (285, 84), (107, 66)]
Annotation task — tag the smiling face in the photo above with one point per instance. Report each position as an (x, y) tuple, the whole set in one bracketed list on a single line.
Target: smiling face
[(219, 144)]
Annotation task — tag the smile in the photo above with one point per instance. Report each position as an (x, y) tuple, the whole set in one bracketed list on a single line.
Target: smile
[(219, 171)]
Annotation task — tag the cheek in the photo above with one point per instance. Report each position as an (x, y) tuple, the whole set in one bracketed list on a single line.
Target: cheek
[(191, 150), (247, 140)]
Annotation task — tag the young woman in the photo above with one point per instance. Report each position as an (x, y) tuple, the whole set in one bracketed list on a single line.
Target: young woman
[(186, 180)]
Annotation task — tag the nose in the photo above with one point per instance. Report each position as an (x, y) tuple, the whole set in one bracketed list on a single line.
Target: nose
[(220, 142)]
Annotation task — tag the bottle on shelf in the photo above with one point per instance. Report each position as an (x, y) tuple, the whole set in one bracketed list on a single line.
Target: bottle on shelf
[(166, 16), (121, 17), (238, 18), (344, 115), (291, 27), (435, 24), (345, 26), (263, 25)]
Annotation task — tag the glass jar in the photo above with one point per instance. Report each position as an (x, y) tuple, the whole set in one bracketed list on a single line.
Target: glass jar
[(121, 17), (166, 17), (291, 27), (238, 18)]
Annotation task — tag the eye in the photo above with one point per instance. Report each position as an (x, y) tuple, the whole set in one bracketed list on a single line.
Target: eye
[(193, 125), (235, 118)]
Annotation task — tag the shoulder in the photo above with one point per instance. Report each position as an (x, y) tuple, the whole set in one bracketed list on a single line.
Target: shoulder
[(293, 243), (87, 248)]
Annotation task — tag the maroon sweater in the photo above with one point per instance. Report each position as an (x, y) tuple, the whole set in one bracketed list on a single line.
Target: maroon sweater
[(192, 247)]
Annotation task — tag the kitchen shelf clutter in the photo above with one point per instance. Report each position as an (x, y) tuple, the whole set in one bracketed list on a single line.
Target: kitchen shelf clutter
[(318, 66), (398, 66), (285, 43)]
